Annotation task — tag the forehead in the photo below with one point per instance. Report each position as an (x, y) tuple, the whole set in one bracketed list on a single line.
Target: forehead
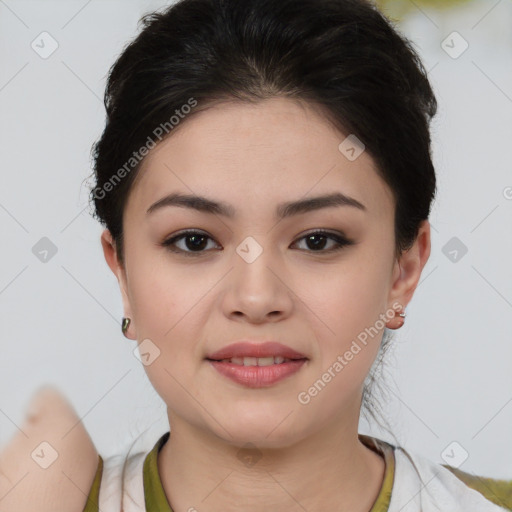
[(256, 155)]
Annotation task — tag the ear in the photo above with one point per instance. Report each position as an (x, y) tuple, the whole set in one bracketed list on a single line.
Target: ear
[(109, 251), (408, 268)]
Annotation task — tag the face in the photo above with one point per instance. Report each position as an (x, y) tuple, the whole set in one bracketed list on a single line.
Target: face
[(257, 275)]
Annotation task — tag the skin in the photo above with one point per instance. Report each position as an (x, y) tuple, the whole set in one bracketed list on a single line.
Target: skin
[(254, 157), (64, 484)]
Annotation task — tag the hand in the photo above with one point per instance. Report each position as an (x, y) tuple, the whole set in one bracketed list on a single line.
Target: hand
[(53, 476)]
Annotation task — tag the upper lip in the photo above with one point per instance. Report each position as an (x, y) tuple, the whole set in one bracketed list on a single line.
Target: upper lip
[(252, 349)]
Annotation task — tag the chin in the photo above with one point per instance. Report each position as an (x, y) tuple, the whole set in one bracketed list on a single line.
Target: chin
[(260, 431)]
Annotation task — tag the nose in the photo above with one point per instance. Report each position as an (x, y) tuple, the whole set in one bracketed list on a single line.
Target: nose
[(256, 289)]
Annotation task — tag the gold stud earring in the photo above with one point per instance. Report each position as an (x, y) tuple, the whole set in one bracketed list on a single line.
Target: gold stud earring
[(124, 325)]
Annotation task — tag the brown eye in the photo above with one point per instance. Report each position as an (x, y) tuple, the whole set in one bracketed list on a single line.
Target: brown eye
[(194, 242), (317, 240)]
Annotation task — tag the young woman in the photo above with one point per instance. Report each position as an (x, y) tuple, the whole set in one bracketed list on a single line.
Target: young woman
[(265, 181)]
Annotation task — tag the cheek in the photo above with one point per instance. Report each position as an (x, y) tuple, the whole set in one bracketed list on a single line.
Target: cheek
[(165, 302), (349, 303), (347, 339), (351, 299), (161, 294)]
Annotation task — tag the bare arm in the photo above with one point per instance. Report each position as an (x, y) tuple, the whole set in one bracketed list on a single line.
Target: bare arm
[(54, 475)]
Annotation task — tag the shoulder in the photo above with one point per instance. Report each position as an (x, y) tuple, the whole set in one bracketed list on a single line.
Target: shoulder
[(51, 452), (496, 490), (423, 482)]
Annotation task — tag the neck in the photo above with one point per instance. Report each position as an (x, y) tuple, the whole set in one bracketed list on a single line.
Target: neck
[(329, 470)]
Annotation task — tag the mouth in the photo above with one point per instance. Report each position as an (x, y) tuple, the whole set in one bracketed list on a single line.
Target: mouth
[(257, 365), (257, 361)]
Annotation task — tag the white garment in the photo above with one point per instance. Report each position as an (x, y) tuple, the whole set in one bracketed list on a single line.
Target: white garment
[(420, 485), (122, 485), (432, 488)]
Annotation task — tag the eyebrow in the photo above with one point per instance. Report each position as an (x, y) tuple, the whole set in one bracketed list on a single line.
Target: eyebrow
[(283, 210)]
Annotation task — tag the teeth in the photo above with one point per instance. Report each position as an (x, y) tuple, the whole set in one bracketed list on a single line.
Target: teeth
[(264, 361), (256, 361)]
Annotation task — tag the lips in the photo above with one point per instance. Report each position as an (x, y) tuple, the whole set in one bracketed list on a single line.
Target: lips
[(258, 350), (255, 364)]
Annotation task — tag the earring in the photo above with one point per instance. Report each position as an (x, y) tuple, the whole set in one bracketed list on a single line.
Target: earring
[(401, 321), (124, 325)]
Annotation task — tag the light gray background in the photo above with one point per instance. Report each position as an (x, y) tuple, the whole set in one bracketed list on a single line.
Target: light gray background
[(451, 370)]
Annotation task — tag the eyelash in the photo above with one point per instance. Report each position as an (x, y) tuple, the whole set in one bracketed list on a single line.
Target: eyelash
[(340, 240)]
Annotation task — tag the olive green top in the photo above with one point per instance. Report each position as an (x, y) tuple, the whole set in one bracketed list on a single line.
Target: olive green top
[(497, 491)]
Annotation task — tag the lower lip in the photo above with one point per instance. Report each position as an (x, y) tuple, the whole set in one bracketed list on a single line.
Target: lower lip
[(258, 376)]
